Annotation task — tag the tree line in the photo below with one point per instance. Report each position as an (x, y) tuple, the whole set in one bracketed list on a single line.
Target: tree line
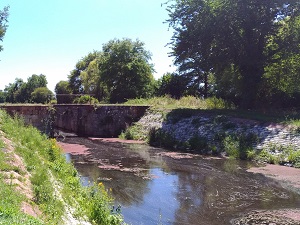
[(243, 51)]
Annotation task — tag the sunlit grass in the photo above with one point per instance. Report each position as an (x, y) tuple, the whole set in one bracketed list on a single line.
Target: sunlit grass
[(50, 174)]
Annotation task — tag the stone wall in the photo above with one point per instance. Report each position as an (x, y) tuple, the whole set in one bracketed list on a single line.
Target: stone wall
[(101, 121), (36, 115), (214, 126), (84, 120)]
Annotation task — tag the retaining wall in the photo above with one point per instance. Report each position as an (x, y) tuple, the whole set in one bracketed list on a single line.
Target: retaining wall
[(84, 120)]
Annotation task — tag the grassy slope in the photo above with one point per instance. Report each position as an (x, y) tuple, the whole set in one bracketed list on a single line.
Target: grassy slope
[(237, 146), (50, 175)]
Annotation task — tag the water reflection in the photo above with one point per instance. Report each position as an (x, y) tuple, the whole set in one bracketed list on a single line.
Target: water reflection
[(156, 188)]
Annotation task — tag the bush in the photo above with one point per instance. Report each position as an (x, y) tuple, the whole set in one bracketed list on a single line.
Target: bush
[(198, 143), (86, 99)]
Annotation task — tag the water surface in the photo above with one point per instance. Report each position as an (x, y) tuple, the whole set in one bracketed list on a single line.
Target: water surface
[(154, 186)]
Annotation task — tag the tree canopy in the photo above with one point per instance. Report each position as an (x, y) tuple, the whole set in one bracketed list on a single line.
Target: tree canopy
[(125, 70), (231, 39), (21, 92), (120, 71), (3, 23)]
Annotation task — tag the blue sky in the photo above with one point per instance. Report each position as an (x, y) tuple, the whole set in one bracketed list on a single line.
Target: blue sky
[(50, 37)]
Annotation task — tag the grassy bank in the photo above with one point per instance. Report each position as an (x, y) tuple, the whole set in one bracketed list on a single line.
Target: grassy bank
[(191, 105), (223, 140), (54, 189)]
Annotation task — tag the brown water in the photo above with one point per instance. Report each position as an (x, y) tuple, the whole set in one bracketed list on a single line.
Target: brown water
[(154, 186)]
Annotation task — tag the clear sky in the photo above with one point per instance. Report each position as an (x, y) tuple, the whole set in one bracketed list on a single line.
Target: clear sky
[(50, 37)]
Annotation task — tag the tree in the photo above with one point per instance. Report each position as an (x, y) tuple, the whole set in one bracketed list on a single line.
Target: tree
[(33, 82), (86, 77), (216, 36), (63, 92), (20, 91), (280, 85), (12, 90), (173, 85), (126, 70), (41, 95), (2, 96), (78, 81), (3, 23)]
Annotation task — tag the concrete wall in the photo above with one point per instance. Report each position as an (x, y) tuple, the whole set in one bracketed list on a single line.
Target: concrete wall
[(84, 120), (101, 121)]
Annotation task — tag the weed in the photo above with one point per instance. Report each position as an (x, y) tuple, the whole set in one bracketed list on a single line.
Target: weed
[(198, 143), (133, 133)]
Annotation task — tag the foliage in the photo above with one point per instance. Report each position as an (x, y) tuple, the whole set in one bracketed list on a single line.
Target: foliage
[(41, 95), (160, 138), (3, 23), (189, 102), (198, 143), (230, 39), (2, 96), (119, 72), (280, 154), (63, 92), (86, 77), (218, 103), (240, 145), (10, 205), (100, 213), (86, 99), (12, 89), (132, 133), (21, 92), (51, 176), (126, 71), (173, 85)]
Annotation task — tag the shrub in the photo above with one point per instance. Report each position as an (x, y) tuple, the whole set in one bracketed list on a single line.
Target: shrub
[(86, 99), (199, 143)]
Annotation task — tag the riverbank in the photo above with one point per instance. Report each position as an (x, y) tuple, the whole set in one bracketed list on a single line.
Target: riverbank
[(40, 187), (215, 133)]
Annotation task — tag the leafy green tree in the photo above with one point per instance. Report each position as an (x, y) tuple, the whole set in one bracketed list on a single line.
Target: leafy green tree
[(280, 85), (12, 90), (86, 99), (126, 70), (86, 77), (76, 78), (63, 92), (2, 96), (3, 23), (216, 36), (34, 81), (41, 95), (173, 85)]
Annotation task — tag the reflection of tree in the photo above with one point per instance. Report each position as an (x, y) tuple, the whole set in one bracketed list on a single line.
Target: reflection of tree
[(211, 195), (207, 191), (127, 182)]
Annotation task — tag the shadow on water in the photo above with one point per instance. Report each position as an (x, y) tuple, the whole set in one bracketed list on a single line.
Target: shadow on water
[(154, 186)]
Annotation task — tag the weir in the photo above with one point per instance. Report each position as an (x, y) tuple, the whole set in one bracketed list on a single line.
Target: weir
[(84, 120)]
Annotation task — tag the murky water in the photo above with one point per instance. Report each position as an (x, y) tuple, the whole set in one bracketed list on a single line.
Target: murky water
[(154, 186)]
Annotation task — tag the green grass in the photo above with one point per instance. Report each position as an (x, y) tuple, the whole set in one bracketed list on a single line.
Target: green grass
[(216, 106), (50, 171)]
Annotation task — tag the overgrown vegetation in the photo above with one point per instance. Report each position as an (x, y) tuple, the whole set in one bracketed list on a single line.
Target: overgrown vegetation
[(56, 184), (223, 137)]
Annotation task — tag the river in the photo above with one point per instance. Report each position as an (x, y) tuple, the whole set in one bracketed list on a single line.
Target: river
[(155, 186)]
